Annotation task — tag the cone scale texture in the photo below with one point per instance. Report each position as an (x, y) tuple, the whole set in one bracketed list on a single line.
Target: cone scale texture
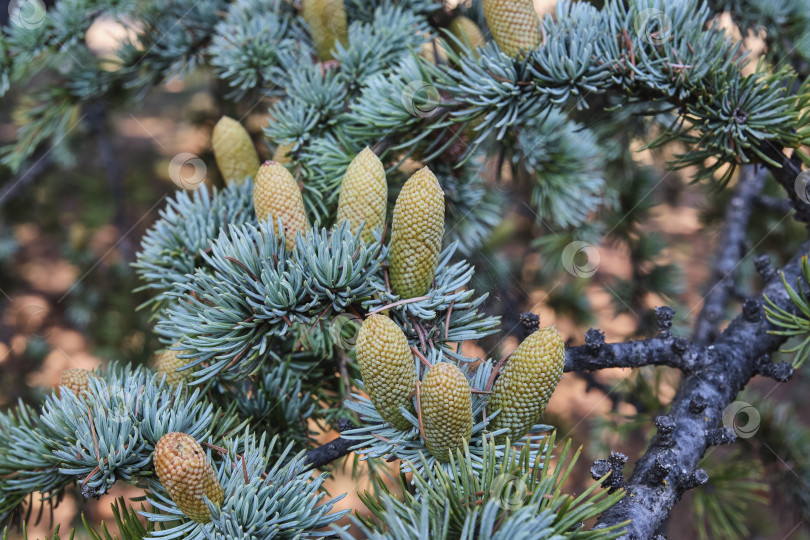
[(167, 364), (416, 235), (514, 25), (526, 383), (77, 380), (277, 195), (363, 195), (186, 474), (446, 402), (234, 151), (387, 368)]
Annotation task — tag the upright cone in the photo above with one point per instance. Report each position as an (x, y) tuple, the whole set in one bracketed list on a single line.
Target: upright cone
[(77, 380), (526, 383), (277, 195), (467, 32), (514, 25), (363, 194), (186, 474), (167, 365), (327, 24), (234, 151), (387, 368), (446, 409), (416, 234)]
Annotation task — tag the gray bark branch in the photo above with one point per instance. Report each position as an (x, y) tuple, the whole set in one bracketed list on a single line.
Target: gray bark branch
[(730, 251), (669, 466)]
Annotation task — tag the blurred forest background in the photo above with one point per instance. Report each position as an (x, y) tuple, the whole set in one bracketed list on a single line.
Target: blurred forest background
[(69, 233)]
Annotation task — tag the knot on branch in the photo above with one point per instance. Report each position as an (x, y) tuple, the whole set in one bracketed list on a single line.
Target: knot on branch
[(657, 472), (89, 492), (594, 340), (666, 426), (721, 435), (334, 449), (680, 345), (698, 404), (764, 267), (344, 424), (663, 318), (752, 310), (613, 465), (697, 478), (529, 323), (778, 371)]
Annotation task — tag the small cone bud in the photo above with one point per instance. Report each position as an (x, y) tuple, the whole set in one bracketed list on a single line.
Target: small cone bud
[(514, 25), (277, 195), (363, 195), (387, 367), (76, 380), (234, 151), (186, 474), (526, 383), (327, 25), (416, 235), (468, 33), (446, 409), (167, 364)]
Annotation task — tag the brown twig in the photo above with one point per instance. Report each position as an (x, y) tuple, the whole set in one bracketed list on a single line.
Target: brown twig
[(630, 48), (421, 333), (219, 449), (398, 303), (421, 356), (242, 265), (496, 370), (318, 319), (93, 430), (244, 469), (381, 438), (447, 320), (387, 281), (97, 468), (249, 319), (90, 475)]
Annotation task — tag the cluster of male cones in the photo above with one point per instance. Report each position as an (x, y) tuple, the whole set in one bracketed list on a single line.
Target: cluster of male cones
[(418, 220), (387, 364), (444, 396), (514, 25)]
